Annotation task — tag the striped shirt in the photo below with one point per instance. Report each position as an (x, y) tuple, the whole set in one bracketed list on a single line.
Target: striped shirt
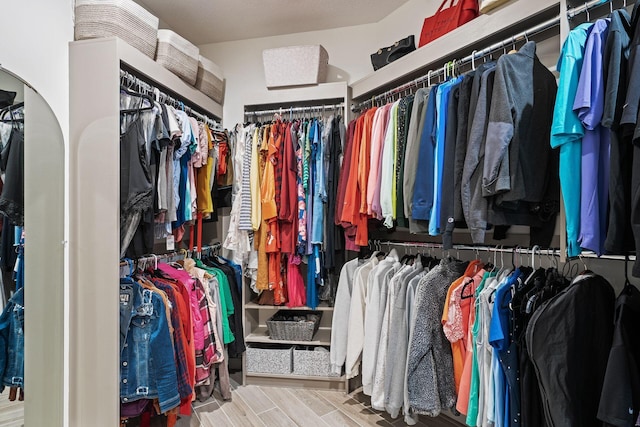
[(246, 138)]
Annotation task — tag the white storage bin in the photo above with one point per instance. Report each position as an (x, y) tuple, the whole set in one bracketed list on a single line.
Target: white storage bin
[(295, 65), (178, 55), (121, 18), (269, 359), (310, 361), (210, 79)]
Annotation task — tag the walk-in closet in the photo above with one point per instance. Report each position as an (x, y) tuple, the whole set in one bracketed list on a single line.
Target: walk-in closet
[(361, 213)]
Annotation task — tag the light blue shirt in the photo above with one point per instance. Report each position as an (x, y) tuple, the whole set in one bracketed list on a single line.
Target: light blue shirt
[(567, 131), (320, 190), (442, 101)]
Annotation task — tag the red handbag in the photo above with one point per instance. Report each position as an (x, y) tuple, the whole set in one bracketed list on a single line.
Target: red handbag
[(447, 19)]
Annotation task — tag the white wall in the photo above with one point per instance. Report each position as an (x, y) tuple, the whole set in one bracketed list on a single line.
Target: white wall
[(36, 34), (349, 49)]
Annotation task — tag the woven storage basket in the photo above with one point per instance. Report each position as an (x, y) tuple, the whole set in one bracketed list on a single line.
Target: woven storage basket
[(210, 79), (292, 325), (178, 55), (121, 18), (268, 359), (295, 65), (313, 362)]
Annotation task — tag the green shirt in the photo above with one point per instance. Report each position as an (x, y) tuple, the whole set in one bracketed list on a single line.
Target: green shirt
[(474, 388), (226, 302)]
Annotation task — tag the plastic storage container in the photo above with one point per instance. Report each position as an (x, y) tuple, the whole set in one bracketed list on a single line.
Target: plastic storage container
[(312, 361), (210, 79), (293, 325), (178, 55), (121, 18), (269, 359), (295, 65)]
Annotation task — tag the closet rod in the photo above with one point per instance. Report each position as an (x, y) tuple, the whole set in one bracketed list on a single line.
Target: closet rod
[(293, 110), (175, 254), (149, 89), (518, 250), (587, 6), (451, 66)]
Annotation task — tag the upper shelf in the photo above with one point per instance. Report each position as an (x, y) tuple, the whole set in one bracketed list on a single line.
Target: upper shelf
[(298, 95), (478, 33), (159, 75)]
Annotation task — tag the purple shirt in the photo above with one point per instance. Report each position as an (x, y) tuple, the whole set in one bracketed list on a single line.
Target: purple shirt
[(589, 104)]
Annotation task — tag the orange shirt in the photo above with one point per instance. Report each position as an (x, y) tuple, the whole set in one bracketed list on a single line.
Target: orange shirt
[(458, 348), (352, 198), (268, 184), (365, 158)]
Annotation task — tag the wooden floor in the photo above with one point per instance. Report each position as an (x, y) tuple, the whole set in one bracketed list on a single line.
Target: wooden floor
[(11, 413), (253, 406), (257, 406)]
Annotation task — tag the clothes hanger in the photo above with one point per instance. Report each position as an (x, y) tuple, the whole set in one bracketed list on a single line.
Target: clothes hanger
[(11, 110), (627, 282), (143, 96), (513, 46), (586, 10)]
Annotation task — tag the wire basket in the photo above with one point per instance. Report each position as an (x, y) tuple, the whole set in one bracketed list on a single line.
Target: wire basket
[(292, 325)]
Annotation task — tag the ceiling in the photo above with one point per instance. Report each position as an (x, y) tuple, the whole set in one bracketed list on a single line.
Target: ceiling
[(213, 21)]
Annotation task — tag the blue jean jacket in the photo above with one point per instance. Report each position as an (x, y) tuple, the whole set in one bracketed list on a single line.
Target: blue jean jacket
[(147, 364), (12, 342)]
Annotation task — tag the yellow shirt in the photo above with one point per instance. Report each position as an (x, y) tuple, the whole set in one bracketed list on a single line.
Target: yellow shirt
[(254, 183)]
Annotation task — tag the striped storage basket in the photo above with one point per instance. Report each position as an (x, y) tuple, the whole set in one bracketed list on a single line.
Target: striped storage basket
[(121, 18), (178, 55), (210, 80)]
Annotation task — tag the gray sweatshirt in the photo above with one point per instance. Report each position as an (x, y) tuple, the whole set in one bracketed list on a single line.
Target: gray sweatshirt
[(376, 302), (398, 344), (409, 417), (511, 104), (474, 205), (430, 378)]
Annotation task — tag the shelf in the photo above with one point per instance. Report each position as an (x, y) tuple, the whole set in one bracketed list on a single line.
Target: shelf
[(296, 377), (149, 68), (298, 95), (477, 34), (261, 335), (254, 306)]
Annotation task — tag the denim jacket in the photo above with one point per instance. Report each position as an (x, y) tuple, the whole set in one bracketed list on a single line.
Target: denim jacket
[(147, 364), (12, 342)]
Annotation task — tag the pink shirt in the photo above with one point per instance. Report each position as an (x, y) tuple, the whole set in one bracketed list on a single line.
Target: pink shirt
[(189, 283), (380, 121)]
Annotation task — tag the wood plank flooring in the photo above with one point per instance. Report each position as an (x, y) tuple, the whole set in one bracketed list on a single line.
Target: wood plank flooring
[(258, 406), (11, 413), (254, 406)]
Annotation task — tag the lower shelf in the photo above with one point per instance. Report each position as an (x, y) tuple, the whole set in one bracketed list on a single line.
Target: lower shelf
[(296, 377), (296, 381), (261, 335)]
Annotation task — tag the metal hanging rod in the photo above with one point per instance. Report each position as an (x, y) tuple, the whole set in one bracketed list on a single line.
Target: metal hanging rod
[(518, 249), (451, 67), (175, 255), (587, 6), (282, 111), (142, 86)]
